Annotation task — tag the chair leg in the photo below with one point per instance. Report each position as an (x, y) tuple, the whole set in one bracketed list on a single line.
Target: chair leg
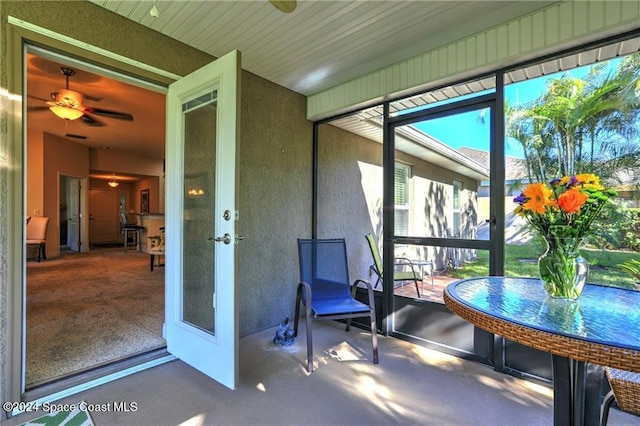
[(309, 340), (417, 289), (604, 408), (43, 247), (374, 337), (297, 315), (151, 261)]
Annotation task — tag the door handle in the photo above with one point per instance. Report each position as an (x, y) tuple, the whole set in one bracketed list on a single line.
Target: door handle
[(226, 238)]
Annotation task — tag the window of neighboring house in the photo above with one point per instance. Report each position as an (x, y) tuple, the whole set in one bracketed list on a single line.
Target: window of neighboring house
[(457, 190), (402, 175)]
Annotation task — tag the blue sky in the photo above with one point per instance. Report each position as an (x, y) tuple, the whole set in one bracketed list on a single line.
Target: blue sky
[(470, 131)]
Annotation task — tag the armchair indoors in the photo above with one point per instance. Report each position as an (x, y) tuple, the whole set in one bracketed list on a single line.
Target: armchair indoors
[(409, 272), (156, 248), (324, 290), (37, 235)]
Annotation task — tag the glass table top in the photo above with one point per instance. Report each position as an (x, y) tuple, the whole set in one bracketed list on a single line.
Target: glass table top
[(604, 315)]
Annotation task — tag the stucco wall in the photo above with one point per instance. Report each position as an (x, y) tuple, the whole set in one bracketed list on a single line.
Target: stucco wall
[(274, 162), (274, 200), (350, 179)]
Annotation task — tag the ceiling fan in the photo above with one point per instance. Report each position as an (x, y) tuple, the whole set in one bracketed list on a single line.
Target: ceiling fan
[(69, 105), (286, 6)]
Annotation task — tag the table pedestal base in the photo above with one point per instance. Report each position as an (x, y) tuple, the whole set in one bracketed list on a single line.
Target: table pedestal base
[(576, 392)]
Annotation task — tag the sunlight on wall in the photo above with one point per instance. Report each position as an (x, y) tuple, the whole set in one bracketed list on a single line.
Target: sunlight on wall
[(4, 94), (371, 182), (198, 420)]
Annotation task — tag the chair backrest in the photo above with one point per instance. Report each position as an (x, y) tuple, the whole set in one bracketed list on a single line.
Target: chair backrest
[(124, 219), (323, 265), (626, 387), (377, 261), (37, 228)]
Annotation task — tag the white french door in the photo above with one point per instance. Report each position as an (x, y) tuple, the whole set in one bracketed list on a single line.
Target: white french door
[(202, 127)]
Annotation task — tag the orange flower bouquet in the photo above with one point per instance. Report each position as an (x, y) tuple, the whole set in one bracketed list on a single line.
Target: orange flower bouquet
[(562, 212)]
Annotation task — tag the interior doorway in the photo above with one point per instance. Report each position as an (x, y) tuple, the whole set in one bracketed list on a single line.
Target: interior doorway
[(89, 306), (71, 213)]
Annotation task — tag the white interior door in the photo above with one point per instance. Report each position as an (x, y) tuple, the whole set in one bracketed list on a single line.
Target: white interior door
[(201, 315)]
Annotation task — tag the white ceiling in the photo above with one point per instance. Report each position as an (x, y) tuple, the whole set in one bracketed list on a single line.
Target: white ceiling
[(322, 43), (142, 136)]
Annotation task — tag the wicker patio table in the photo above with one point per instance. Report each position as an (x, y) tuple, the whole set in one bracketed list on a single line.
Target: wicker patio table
[(601, 328)]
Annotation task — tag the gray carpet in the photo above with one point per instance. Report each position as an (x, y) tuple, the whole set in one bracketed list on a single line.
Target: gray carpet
[(88, 309), (412, 385)]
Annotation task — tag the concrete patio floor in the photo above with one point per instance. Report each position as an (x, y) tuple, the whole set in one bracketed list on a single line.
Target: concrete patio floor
[(411, 385)]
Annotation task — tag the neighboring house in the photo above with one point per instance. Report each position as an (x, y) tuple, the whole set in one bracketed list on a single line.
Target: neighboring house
[(628, 188), (516, 178)]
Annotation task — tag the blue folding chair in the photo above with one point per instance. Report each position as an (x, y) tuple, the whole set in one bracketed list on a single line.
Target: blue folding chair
[(324, 290)]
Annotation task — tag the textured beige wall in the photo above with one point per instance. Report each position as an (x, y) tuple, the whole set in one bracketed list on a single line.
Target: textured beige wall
[(274, 199), (350, 194), (274, 162)]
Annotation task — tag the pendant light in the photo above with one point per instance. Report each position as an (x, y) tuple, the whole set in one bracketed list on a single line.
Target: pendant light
[(113, 182)]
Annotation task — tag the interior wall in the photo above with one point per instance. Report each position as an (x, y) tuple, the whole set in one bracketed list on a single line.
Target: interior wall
[(114, 161), (275, 157), (61, 157), (34, 178)]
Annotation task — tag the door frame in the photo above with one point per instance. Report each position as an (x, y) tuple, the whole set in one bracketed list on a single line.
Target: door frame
[(83, 222), (486, 349), (22, 35)]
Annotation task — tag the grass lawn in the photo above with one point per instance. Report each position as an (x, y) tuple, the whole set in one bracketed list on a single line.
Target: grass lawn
[(521, 261)]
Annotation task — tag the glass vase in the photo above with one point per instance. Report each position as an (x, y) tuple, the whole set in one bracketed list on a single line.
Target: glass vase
[(563, 271)]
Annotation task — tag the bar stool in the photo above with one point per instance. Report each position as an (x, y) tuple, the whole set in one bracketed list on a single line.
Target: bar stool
[(130, 227)]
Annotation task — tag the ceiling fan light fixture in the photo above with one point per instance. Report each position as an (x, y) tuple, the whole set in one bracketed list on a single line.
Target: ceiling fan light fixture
[(66, 113), (113, 182)]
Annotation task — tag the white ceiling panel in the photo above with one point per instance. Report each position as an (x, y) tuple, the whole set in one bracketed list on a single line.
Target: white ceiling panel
[(322, 43)]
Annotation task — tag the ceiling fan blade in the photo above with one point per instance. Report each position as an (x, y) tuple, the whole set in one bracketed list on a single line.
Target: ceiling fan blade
[(90, 121), (286, 6), (80, 95), (109, 113), (37, 98), (37, 108)]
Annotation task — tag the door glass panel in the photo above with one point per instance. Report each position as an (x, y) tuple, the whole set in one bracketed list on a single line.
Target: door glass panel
[(198, 288)]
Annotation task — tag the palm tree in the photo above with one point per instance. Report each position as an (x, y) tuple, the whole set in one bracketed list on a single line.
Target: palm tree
[(581, 124)]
